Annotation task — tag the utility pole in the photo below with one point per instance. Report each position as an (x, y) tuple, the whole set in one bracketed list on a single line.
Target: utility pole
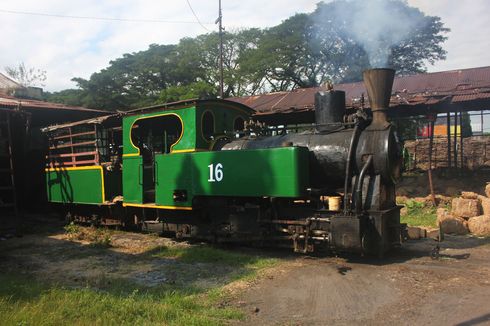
[(221, 29)]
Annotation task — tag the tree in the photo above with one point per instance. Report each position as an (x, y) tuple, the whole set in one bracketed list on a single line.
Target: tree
[(201, 54), (201, 90), (134, 80), (26, 76), (71, 97), (283, 58), (307, 50)]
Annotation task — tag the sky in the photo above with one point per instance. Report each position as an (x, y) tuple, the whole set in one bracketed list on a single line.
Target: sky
[(75, 47)]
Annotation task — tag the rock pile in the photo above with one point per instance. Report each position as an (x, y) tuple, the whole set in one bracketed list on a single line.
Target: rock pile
[(470, 213)]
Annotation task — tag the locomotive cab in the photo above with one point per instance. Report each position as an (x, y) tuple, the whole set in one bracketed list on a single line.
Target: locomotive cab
[(156, 141)]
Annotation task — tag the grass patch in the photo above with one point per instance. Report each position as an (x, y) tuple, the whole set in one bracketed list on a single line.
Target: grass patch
[(25, 301), (418, 214), (247, 265), (98, 237)]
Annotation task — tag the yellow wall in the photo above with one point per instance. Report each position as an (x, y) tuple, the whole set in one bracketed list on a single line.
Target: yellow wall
[(441, 130)]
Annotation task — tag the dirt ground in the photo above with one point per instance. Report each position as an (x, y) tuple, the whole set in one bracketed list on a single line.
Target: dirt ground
[(406, 288), (59, 257)]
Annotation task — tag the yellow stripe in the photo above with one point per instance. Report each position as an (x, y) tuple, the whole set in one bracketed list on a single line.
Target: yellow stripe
[(80, 168), (73, 168), (149, 117), (190, 150), (159, 207), (103, 184)]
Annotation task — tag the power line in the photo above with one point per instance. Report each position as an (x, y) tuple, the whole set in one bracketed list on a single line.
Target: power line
[(197, 18), (130, 20)]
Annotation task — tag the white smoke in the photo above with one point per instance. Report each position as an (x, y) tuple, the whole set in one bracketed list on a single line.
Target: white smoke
[(378, 25)]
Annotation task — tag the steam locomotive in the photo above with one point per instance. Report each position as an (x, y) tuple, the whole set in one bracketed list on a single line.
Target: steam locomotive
[(198, 169)]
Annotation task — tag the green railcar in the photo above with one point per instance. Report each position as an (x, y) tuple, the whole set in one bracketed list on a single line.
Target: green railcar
[(163, 157)]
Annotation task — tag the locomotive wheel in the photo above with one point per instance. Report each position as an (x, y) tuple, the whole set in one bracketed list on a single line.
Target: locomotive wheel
[(371, 244)]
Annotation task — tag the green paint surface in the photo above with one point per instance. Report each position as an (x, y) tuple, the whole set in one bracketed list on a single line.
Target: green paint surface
[(74, 186), (133, 179), (186, 142), (224, 120), (277, 172)]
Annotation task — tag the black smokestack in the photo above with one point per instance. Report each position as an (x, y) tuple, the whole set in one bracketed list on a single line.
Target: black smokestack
[(329, 109), (379, 83)]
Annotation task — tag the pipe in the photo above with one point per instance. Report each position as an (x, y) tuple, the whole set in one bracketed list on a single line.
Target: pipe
[(360, 183), (429, 172), (348, 170), (461, 139), (455, 153), (448, 128)]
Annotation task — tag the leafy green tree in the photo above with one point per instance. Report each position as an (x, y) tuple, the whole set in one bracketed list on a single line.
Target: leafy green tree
[(199, 90), (236, 45), (305, 50), (71, 97), (134, 80)]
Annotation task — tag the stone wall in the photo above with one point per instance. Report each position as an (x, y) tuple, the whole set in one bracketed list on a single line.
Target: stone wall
[(476, 153)]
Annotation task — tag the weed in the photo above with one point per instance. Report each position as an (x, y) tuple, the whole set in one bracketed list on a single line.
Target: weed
[(98, 237), (101, 238), (72, 229), (419, 214)]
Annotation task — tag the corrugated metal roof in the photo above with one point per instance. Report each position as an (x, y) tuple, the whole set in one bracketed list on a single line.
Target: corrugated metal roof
[(12, 102), (454, 87)]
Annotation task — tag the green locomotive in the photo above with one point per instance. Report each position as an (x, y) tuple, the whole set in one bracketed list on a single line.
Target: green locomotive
[(198, 169)]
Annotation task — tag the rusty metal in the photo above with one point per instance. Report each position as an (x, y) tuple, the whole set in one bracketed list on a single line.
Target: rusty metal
[(455, 139), (411, 93), (431, 142), (379, 83), (10, 101), (461, 138), (448, 128)]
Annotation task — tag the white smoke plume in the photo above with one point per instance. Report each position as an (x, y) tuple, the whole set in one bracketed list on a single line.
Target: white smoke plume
[(378, 25)]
